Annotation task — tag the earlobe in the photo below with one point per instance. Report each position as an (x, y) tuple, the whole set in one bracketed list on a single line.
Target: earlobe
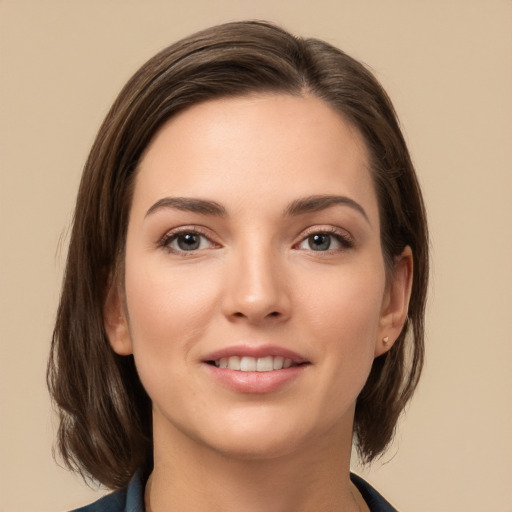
[(396, 302), (116, 323)]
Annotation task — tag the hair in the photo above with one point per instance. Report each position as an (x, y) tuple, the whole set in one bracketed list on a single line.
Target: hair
[(105, 430)]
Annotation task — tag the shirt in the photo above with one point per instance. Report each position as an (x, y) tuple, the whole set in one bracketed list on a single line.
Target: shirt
[(131, 498)]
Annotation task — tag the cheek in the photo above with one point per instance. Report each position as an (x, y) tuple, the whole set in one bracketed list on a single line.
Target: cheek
[(168, 311), (348, 301), (343, 312), (159, 294)]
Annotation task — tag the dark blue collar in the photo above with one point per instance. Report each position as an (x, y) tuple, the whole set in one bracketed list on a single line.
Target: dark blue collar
[(375, 502), (129, 499)]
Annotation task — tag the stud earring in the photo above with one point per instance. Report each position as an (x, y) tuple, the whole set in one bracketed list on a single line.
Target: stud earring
[(385, 340)]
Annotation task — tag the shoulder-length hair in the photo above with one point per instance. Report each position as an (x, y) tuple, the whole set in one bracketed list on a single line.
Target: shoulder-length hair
[(105, 414)]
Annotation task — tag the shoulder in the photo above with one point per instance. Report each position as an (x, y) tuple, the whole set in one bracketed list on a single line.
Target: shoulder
[(375, 502), (114, 502), (129, 499)]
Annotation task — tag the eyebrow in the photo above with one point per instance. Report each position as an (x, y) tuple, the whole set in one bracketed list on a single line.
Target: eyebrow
[(189, 204), (301, 206), (312, 204)]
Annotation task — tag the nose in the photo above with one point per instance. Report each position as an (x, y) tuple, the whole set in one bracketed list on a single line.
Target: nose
[(256, 290)]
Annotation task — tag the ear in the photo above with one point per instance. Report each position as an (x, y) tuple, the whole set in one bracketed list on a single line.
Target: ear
[(116, 322), (395, 303)]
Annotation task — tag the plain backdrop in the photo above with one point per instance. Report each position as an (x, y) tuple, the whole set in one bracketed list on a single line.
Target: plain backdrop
[(448, 68)]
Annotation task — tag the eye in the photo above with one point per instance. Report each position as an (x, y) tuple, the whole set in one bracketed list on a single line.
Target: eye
[(186, 241), (322, 241)]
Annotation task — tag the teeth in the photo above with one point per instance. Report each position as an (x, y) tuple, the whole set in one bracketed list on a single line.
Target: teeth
[(278, 362), (248, 364), (234, 363), (254, 364), (265, 364)]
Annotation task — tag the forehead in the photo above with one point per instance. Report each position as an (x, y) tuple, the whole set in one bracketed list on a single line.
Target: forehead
[(239, 149)]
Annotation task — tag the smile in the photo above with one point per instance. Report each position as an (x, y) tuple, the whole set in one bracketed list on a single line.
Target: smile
[(254, 364)]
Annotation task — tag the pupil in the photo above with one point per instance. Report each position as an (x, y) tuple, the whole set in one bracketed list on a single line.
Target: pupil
[(188, 242), (319, 242)]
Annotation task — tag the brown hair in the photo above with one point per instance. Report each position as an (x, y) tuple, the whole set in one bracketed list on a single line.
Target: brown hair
[(105, 414)]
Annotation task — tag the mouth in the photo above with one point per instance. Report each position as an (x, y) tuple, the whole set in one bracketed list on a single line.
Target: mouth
[(255, 358), (255, 369), (255, 364)]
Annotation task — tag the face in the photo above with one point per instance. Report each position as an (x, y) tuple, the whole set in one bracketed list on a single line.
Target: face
[(255, 295)]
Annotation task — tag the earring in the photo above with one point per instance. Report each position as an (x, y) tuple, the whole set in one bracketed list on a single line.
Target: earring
[(385, 340)]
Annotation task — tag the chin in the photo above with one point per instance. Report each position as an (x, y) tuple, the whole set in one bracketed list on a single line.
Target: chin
[(254, 430), (268, 436), (257, 446), (243, 434)]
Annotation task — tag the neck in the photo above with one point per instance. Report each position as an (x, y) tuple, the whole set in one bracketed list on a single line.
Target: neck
[(190, 476)]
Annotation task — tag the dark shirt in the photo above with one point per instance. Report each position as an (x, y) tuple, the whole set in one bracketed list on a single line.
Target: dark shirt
[(131, 499)]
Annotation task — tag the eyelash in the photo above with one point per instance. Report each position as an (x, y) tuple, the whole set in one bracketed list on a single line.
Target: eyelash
[(344, 239), (166, 241)]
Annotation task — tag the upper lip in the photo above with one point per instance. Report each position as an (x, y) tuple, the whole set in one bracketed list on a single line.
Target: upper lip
[(255, 351)]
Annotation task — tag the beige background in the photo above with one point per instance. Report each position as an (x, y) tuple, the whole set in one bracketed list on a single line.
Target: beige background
[(448, 67)]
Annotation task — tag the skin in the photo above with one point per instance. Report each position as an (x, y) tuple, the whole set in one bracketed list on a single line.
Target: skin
[(255, 279)]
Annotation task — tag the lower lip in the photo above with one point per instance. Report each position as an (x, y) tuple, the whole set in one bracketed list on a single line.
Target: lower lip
[(255, 382)]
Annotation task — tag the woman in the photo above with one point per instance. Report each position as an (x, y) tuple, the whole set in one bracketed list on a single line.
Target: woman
[(245, 285)]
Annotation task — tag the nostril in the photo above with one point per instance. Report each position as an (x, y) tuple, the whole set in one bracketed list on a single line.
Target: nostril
[(251, 316)]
